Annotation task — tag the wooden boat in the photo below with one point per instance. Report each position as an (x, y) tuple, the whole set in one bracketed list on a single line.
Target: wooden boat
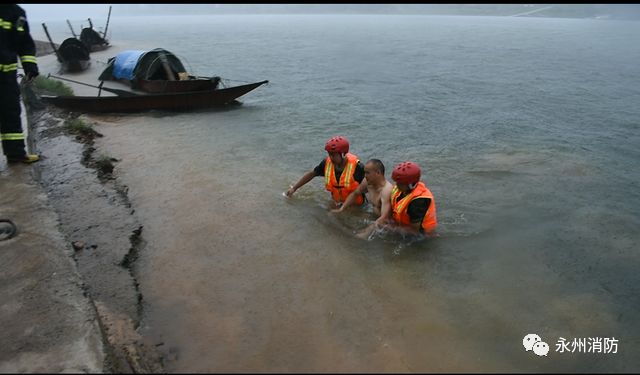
[(72, 54), (181, 101), (154, 71), (164, 86), (91, 38)]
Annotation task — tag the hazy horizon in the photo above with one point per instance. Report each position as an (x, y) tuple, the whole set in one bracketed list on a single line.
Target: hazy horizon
[(38, 13)]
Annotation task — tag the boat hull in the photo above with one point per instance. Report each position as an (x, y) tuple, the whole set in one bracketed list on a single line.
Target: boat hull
[(73, 55), (74, 66), (98, 47), (183, 101), (163, 86)]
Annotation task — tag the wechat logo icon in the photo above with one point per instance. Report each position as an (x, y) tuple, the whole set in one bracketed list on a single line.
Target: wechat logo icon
[(533, 342)]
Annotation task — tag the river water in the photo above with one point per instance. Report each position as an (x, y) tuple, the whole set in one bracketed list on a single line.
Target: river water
[(527, 131)]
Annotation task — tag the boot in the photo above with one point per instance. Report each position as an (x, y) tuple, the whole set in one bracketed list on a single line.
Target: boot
[(27, 158)]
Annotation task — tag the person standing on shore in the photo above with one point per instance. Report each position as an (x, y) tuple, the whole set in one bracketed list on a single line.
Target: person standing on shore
[(343, 172), (15, 40)]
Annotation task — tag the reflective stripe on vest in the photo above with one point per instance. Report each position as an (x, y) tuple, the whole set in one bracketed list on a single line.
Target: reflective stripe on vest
[(341, 190), (28, 59), (8, 67), (12, 136), (7, 25), (399, 207)]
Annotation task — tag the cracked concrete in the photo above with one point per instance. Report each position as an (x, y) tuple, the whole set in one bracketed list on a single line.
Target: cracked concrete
[(69, 301), (95, 213), (48, 323)]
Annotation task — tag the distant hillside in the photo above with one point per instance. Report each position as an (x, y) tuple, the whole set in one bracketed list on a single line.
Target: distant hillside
[(604, 11)]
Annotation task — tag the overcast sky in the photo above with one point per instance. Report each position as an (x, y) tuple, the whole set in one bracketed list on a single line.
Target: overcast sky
[(38, 13)]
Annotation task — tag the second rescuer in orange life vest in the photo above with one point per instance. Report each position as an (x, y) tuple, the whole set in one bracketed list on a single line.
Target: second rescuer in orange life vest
[(412, 204), (342, 172)]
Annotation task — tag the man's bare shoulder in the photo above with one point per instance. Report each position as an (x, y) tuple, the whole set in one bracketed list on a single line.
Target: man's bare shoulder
[(386, 189), (364, 184)]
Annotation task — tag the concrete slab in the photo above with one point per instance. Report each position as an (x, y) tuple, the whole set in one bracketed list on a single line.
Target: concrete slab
[(47, 323)]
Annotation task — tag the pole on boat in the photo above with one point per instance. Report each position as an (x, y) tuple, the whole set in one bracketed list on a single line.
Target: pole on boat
[(167, 69), (115, 91), (51, 41), (72, 32), (104, 34), (90, 23)]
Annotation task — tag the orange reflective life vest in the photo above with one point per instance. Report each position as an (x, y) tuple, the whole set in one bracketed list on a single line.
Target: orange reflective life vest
[(341, 190), (400, 206)]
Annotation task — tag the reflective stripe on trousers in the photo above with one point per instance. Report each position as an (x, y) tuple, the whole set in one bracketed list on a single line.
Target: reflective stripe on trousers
[(12, 136)]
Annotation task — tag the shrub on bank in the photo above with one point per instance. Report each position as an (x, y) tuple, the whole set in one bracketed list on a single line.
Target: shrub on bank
[(78, 126), (44, 85), (83, 131)]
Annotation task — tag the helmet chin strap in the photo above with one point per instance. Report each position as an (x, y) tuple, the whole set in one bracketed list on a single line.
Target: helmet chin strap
[(342, 158)]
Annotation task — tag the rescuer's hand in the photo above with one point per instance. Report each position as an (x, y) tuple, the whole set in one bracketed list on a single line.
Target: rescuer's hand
[(30, 72)]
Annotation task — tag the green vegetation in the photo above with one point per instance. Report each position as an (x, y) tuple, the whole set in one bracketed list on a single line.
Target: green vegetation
[(104, 165), (83, 131), (44, 85), (78, 126)]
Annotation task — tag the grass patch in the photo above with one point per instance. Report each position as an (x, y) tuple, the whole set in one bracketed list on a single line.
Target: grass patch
[(44, 85), (78, 126), (104, 165), (83, 131)]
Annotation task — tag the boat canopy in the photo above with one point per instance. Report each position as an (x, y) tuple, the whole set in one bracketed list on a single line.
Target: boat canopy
[(138, 64), (72, 49), (90, 37)]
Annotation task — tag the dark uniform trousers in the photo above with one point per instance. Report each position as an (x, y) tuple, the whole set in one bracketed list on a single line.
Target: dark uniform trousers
[(10, 124)]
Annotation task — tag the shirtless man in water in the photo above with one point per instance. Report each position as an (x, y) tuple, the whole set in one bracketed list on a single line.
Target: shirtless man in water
[(378, 192)]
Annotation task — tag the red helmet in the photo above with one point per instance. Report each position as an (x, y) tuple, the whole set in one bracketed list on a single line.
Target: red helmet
[(337, 144), (406, 173)]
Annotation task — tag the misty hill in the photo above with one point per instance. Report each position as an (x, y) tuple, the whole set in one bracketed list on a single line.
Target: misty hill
[(604, 11)]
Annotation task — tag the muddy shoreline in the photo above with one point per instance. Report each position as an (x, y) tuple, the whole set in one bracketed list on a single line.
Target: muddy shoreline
[(98, 221)]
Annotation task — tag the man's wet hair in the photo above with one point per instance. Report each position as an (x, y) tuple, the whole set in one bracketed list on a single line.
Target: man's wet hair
[(378, 165)]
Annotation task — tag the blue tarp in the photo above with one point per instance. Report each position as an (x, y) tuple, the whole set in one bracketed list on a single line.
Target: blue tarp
[(133, 65), (125, 64)]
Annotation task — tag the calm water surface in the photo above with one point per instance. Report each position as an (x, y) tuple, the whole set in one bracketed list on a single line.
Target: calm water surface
[(528, 134)]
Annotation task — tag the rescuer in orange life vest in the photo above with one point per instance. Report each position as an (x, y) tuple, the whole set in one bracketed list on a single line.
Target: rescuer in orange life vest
[(413, 207), (342, 172)]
